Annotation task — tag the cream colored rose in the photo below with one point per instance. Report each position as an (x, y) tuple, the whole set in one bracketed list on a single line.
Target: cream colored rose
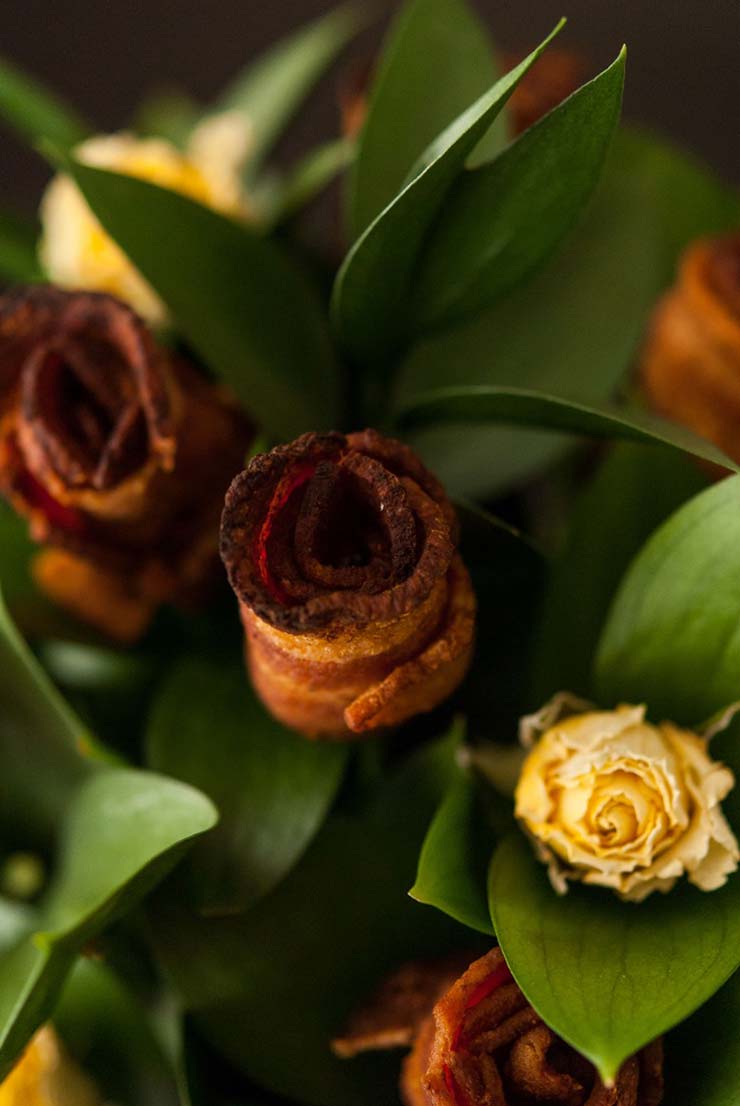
[(611, 800), (75, 250), (45, 1076)]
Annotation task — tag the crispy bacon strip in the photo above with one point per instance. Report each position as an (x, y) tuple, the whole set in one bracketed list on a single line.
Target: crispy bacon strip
[(690, 364), (116, 451), (484, 1045), (357, 608)]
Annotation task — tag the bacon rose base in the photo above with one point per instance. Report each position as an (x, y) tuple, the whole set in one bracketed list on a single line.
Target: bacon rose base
[(358, 610), (484, 1045), (117, 452), (690, 365)]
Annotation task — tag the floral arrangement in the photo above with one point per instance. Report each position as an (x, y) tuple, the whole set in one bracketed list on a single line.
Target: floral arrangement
[(369, 661)]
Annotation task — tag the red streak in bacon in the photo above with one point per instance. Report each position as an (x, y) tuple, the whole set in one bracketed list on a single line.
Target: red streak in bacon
[(289, 484), (459, 1098), (485, 988), (56, 513)]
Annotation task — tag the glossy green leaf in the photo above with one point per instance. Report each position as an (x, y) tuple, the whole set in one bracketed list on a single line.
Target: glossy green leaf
[(436, 61), (575, 327), (230, 291), (294, 966), (272, 87), (503, 219), (610, 976), (18, 259), (672, 637), (314, 173), (124, 831), (272, 787), (35, 112), (702, 1064), (454, 858), (373, 281), (635, 489), (478, 402), (44, 747)]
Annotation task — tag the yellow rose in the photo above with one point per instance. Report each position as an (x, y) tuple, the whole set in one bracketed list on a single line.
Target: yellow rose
[(45, 1076), (611, 800), (75, 250)]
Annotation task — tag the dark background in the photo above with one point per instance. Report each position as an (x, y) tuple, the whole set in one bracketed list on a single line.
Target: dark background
[(683, 73)]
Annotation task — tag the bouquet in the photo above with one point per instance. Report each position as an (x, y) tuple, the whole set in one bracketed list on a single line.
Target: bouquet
[(369, 652)]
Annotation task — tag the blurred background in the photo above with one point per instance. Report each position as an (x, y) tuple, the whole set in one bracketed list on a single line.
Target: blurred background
[(683, 73)]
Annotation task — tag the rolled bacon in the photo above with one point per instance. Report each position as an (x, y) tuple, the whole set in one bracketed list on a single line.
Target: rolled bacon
[(690, 363), (484, 1045), (116, 450), (358, 610)]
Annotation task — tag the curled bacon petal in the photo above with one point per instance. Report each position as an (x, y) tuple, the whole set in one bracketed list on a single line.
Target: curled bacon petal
[(690, 364), (116, 451), (358, 610)]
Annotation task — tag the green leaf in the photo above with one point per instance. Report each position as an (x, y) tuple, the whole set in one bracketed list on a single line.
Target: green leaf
[(454, 857), (508, 575), (36, 113), (370, 293), (436, 61), (672, 637), (294, 966), (168, 114), (314, 173), (124, 831), (44, 747), (18, 259), (273, 788), (271, 88), (230, 291), (108, 1030), (635, 489), (609, 976), (575, 327), (477, 402), (702, 1064), (503, 219)]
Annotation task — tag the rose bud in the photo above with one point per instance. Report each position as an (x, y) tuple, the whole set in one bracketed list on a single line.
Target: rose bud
[(482, 1044), (552, 79), (358, 610), (116, 450), (46, 1076), (75, 250), (690, 364), (609, 799)]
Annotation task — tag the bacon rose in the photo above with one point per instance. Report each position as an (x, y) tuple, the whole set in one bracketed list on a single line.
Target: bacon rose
[(690, 364), (484, 1045), (116, 450), (358, 610)]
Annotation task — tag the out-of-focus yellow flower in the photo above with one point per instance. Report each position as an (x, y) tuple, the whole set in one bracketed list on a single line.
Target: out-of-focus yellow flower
[(75, 250), (45, 1076), (611, 800)]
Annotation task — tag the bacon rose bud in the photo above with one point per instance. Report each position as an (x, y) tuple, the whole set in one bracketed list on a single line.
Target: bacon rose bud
[(690, 365), (553, 77), (358, 610), (46, 1076), (484, 1045), (116, 450)]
